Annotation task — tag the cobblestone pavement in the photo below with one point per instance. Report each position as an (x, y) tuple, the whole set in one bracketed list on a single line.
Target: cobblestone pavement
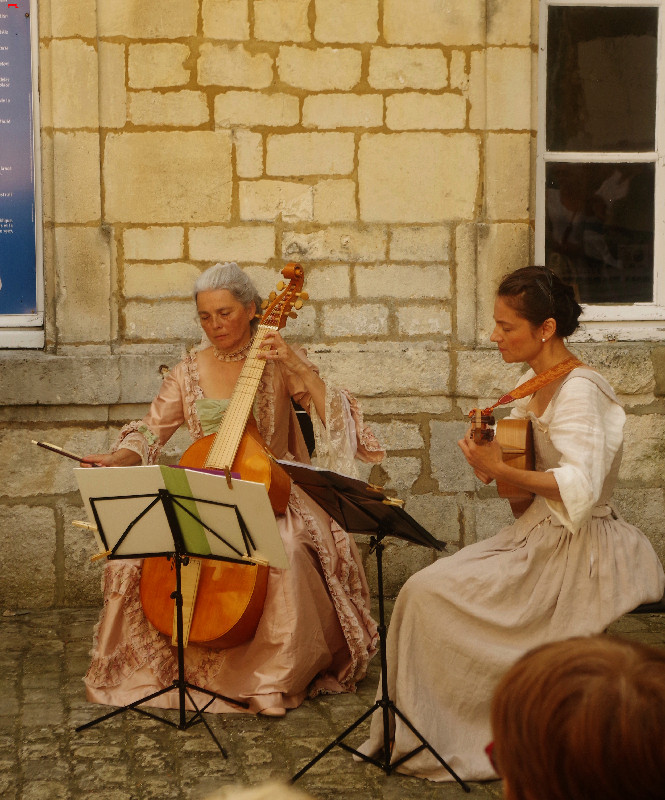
[(43, 656)]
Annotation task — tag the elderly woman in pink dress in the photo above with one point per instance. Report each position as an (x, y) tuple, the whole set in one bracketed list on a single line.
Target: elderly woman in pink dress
[(315, 634)]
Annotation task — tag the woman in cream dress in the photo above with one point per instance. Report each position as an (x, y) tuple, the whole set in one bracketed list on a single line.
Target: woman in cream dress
[(569, 566)]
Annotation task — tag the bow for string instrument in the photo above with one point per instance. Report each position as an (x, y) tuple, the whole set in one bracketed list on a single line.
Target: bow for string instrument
[(223, 601)]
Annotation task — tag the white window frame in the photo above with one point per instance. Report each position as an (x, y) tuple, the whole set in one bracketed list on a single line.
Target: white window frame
[(631, 320), (18, 331)]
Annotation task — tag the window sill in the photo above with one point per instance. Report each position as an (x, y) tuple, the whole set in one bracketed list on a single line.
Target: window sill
[(22, 339)]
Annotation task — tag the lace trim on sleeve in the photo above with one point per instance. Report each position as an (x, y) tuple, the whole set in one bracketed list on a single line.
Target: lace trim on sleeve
[(369, 447), (346, 590), (137, 437), (344, 437), (193, 392), (264, 404)]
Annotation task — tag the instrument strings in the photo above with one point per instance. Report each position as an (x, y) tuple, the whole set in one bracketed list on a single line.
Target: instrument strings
[(225, 446)]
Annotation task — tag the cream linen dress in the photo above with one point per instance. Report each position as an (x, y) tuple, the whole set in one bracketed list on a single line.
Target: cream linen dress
[(316, 633), (563, 569)]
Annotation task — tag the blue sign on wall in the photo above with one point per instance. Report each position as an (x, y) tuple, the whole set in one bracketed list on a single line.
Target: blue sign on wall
[(18, 289)]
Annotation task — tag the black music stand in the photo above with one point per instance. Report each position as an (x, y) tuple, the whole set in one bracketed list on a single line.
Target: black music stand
[(360, 507), (166, 513)]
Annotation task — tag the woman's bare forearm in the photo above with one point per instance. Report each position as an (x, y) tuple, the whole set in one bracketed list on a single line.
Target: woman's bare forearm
[(542, 483)]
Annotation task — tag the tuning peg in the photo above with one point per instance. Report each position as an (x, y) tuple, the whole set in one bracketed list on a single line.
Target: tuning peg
[(298, 304), (272, 296), (293, 315), (264, 304), (303, 295), (281, 286)]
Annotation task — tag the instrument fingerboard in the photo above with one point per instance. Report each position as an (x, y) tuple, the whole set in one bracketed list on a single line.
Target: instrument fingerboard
[(227, 440), (189, 576), (480, 426)]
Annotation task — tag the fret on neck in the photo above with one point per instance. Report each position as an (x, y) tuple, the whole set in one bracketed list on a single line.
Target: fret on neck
[(227, 440)]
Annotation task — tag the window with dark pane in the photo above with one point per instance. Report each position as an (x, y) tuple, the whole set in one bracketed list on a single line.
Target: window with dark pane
[(599, 229), (601, 78)]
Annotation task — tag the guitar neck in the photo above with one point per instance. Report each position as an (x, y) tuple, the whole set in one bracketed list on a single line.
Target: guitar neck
[(225, 445), (480, 426)]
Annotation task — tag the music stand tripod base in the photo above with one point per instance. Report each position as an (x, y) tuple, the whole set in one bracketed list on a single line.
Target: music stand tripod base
[(385, 705), (183, 725)]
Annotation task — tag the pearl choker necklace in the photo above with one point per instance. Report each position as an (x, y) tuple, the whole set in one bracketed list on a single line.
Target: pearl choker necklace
[(237, 356)]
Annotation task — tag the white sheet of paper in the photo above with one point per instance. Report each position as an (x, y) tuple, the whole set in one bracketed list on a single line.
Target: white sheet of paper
[(151, 533), (253, 503)]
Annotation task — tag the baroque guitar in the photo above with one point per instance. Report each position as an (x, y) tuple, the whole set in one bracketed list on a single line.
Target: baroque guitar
[(516, 439)]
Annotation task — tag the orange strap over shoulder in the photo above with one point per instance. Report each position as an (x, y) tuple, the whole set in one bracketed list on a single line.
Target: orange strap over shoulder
[(537, 382)]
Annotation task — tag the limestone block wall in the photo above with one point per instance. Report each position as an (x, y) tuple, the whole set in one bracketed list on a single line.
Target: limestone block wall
[(387, 145)]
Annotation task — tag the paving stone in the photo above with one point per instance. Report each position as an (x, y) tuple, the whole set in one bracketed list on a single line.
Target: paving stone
[(47, 681), (7, 789), (36, 715), (9, 705)]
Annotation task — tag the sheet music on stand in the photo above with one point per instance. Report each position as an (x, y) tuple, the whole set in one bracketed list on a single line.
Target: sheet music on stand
[(357, 506), (216, 524)]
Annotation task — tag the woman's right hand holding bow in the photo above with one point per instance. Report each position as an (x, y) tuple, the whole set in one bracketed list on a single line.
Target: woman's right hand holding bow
[(122, 457)]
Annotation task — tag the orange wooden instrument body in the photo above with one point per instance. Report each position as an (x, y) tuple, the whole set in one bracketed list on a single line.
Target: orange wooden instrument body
[(252, 461), (229, 597), (229, 600), (516, 439)]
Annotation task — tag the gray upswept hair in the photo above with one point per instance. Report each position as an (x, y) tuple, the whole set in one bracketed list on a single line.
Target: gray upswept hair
[(228, 276)]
